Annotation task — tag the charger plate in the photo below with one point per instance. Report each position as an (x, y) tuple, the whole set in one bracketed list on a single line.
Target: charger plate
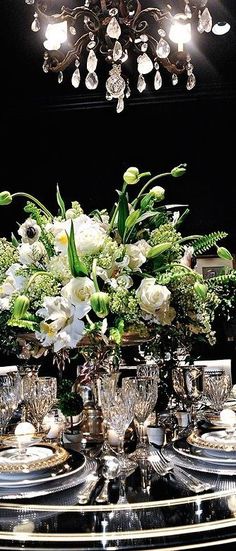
[(73, 464), (59, 484), (48, 455), (183, 455)]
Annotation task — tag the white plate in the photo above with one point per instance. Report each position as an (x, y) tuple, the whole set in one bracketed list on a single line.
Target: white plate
[(73, 465), (182, 448)]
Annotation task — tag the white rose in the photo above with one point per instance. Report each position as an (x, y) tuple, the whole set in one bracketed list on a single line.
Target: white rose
[(137, 254), (78, 291), (90, 238), (151, 296)]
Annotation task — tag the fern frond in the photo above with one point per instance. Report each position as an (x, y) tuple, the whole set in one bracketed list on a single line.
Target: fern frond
[(205, 242), (223, 280)]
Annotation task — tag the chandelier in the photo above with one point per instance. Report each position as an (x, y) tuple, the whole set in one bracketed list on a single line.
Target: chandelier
[(118, 31)]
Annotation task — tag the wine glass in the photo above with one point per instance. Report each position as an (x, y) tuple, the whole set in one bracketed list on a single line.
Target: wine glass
[(9, 398), (217, 388), (188, 385), (39, 394)]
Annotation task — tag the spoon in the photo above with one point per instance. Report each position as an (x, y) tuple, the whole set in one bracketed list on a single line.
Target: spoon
[(110, 470)]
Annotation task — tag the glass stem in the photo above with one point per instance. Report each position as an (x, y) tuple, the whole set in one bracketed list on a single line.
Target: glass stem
[(142, 434)]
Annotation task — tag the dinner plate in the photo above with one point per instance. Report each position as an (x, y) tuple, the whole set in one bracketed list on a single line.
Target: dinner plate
[(184, 449), (214, 443), (73, 465), (46, 456), (74, 478), (181, 454)]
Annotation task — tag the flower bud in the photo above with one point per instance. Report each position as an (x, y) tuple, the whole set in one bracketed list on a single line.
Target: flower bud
[(5, 198), (158, 192), (224, 253), (20, 307), (131, 176), (178, 170), (100, 302), (200, 289)]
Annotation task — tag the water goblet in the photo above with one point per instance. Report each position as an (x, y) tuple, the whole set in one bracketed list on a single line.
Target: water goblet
[(188, 385), (217, 388), (40, 397)]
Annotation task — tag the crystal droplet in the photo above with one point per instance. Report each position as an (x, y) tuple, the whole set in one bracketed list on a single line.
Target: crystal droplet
[(120, 104), (108, 96), (156, 65), (113, 28), (191, 81), (206, 20), (141, 84), (91, 81), (163, 49), (115, 85), (77, 62), (45, 66), (91, 44), (75, 79), (128, 91), (92, 62), (60, 77), (162, 33), (187, 11), (157, 80), (144, 37), (35, 27), (72, 30), (144, 47), (174, 79), (113, 12), (117, 51), (199, 26), (30, 2), (145, 64)]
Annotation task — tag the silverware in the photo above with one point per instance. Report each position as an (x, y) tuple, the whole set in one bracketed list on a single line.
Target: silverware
[(110, 470), (163, 466), (86, 491)]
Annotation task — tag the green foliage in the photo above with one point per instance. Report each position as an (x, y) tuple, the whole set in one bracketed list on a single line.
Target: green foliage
[(69, 402), (205, 242), (77, 267), (8, 256)]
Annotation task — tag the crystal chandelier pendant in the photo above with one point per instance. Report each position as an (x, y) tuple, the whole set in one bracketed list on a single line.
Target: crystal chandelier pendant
[(141, 84), (191, 82), (45, 65), (35, 27), (187, 10), (117, 51), (113, 27), (115, 83), (145, 64), (91, 81), (175, 79), (205, 21), (163, 49), (60, 77), (120, 104), (92, 62), (157, 80), (30, 2), (75, 79)]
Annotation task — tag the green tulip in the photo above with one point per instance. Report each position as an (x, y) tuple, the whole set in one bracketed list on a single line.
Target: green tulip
[(20, 307), (158, 192), (200, 289), (178, 170), (100, 304), (224, 253), (5, 198), (131, 176)]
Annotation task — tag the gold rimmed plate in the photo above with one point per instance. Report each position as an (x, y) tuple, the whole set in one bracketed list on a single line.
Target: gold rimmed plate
[(42, 456), (216, 443)]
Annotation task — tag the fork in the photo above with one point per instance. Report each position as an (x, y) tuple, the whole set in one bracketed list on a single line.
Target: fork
[(163, 466)]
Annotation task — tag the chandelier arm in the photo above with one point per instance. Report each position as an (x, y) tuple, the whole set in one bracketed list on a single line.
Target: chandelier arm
[(157, 14), (68, 14), (60, 63)]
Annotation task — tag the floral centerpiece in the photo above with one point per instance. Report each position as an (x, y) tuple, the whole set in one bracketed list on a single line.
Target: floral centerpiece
[(68, 279)]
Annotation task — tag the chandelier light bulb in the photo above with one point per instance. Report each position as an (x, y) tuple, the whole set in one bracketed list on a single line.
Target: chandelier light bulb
[(56, 33), (180, 31)]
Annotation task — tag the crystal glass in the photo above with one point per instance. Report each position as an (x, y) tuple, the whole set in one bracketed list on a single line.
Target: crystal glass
[(9, 398), (188, 385), (217, 388), (39, 395), (119, 416)]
